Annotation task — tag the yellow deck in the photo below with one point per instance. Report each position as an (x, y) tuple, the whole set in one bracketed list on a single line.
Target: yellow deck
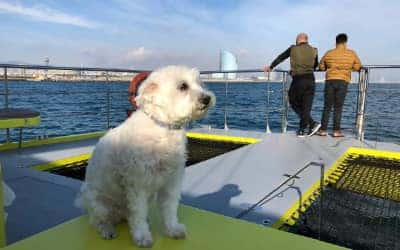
[(205, 231)]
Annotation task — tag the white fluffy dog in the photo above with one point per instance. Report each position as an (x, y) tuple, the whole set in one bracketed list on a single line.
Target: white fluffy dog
[(144, 157)]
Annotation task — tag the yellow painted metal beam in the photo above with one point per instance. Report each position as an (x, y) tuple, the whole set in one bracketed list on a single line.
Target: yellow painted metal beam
[(62, 162), (19, 122), (54, 140), (227, 138), (374, 152)]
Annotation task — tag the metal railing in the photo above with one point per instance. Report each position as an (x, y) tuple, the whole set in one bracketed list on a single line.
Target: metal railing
[(361, 103), (106, 73), (363, 84), (284, 107)]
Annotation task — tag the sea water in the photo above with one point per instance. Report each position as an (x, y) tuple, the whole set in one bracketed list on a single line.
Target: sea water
[(79, 107)]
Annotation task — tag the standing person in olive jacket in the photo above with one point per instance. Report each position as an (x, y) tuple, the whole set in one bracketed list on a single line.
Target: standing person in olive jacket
[(303, 61), (338, 63)]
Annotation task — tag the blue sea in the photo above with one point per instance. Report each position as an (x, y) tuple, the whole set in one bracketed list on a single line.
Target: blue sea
[(79, 107)]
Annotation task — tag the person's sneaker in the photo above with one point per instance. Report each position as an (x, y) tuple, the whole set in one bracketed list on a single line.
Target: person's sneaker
[(314, 127), (300, 133)]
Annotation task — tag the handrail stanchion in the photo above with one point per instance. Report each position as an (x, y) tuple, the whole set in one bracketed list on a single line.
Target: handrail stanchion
[(284, 102), (354, 124), (360, 80), (376, 131), (268, 130), (6, 100), (361, 103), (226, 103), (108, 102)]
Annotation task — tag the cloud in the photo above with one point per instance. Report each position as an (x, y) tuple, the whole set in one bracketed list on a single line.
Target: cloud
[(96, 56), (146, 58), (242, 52), (142, 57), (139, 54), (46, 14), (147, 34)]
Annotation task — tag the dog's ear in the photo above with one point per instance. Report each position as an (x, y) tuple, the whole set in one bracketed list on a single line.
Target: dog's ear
[(146, 94), (150, 88)]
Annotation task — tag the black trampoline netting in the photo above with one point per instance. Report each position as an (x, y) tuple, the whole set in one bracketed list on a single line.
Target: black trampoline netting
[(198, 150), (362, 209)]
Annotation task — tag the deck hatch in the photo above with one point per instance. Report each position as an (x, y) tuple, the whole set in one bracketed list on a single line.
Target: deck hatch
[(361, 205)]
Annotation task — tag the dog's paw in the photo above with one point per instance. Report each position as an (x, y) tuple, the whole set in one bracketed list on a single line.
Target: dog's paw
[(107, 232), (143, 239), (177, 231)]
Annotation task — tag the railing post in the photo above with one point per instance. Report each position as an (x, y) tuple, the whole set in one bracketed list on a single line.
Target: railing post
[(284, 102), (226, 103), (108, 102), (6, 100), (361, 103), (268, 130)]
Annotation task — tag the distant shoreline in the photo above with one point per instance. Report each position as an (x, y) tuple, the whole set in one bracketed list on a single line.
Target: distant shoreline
[(219, 81), (234, 81)]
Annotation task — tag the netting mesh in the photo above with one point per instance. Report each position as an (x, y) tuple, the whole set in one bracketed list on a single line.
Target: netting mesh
[(362, 209), (198, 150), (373, 176)]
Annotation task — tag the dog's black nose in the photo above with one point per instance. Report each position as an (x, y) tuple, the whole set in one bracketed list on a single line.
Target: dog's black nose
[(205, 99)]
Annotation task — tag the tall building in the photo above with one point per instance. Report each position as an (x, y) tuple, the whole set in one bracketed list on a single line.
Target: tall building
[(227, 61)]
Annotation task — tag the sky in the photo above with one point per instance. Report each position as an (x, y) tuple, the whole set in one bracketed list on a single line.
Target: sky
[(150, 33)]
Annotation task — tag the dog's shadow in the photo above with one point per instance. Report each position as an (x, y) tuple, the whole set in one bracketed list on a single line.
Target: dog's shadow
[(218, 201)]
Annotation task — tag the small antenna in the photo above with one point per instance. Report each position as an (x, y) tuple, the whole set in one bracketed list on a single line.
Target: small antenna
[(46, 62)]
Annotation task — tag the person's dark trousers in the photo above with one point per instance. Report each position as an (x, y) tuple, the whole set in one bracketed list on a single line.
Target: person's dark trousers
[(335, 93), (301, 95)]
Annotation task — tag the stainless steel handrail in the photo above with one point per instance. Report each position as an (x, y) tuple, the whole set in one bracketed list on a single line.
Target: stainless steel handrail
[(40, 67), (285, 102), (107, 74), (121, 70), (6, 101), (376, 66), (226, 103), (361, 104), (258, 70)]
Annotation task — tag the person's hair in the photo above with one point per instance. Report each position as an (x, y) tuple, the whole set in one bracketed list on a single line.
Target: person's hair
[(341, 38)]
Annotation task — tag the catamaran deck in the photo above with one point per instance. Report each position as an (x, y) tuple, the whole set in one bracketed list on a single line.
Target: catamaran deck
[(226, 184)]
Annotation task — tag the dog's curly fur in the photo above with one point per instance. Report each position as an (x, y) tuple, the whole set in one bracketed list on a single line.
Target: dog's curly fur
[(144, 157)]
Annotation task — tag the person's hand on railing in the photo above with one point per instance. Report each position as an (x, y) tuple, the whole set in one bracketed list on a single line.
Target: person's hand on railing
[(267, 69)]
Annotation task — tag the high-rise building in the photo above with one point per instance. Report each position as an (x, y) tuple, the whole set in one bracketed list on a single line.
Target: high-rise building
[(227, 61)]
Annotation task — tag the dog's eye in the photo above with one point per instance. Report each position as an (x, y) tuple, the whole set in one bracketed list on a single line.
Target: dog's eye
[(183, 86)]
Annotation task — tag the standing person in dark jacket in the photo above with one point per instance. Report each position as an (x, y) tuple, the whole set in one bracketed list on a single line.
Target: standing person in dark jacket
[(338, 63), (303, 61)]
